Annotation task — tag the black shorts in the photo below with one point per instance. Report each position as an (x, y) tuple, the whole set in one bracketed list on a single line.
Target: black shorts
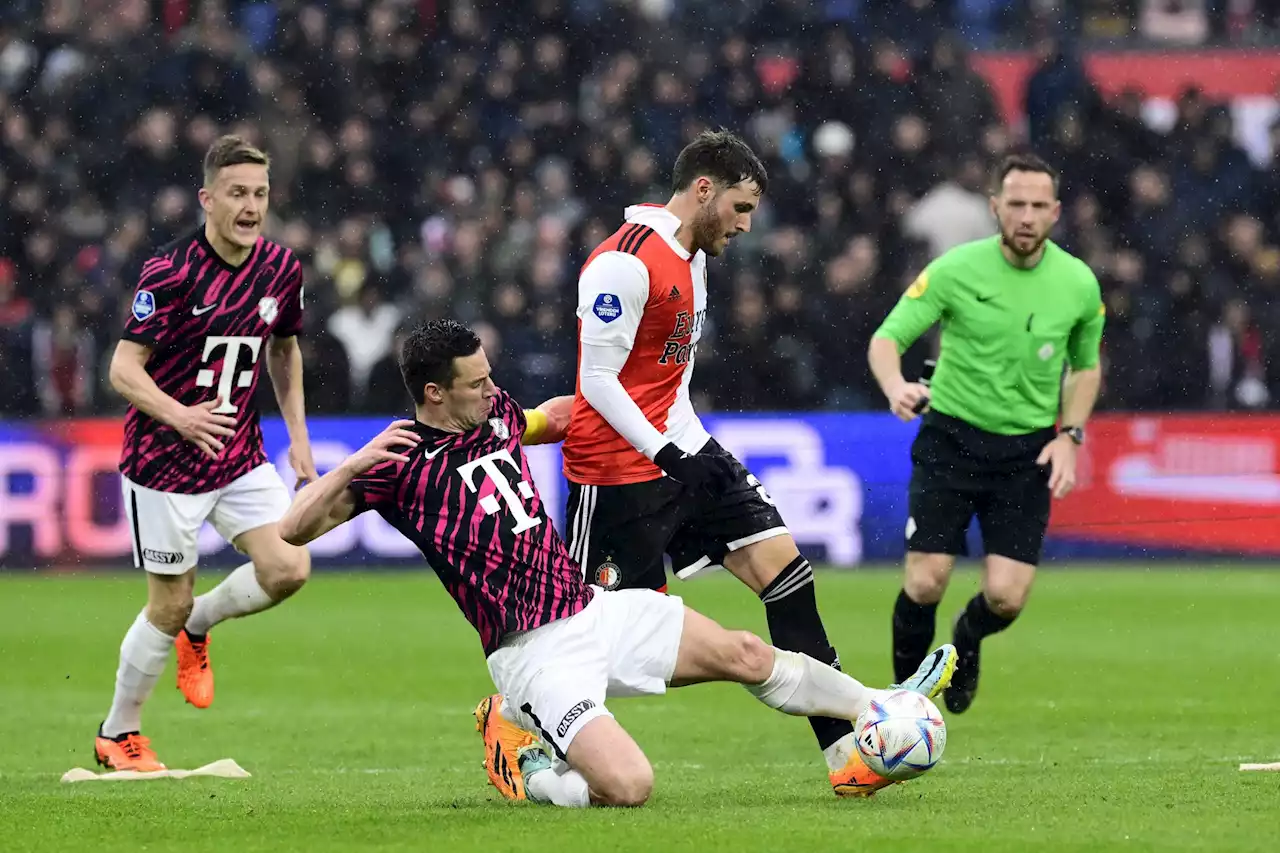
[(959, 471), (620, 533)]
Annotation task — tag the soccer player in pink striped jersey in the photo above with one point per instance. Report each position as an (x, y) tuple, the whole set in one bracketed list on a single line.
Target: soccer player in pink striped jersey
[(209, 309), (455, 481)]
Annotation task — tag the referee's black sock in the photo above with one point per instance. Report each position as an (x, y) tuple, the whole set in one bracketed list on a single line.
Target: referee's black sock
[(795, 626), (978, 620), (913, 626)]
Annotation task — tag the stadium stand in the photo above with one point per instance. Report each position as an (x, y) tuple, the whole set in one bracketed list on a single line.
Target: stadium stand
[(436, 157)]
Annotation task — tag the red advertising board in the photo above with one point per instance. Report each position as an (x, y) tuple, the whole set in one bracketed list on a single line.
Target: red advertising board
[(1195, 482), (1223, 75)]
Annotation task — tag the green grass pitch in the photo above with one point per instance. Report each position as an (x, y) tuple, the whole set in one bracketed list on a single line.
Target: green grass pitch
[(1111, 717)]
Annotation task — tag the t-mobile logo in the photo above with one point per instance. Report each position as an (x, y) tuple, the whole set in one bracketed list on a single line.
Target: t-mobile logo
[(514, 498), (230, 361)]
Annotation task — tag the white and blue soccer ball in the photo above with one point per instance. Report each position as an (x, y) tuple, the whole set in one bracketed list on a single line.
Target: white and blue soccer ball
[(901, 734)]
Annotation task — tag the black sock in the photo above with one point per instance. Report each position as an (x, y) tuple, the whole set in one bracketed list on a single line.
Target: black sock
[(978, 620), (795, 626), (913, 626)]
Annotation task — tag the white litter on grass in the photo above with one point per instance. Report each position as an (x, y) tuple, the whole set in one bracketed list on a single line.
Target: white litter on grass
[(224, 768), (1274, 766)]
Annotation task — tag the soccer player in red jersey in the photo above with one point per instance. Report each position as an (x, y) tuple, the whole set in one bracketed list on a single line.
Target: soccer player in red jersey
[(209, 309), (646, 479), (456, 482)]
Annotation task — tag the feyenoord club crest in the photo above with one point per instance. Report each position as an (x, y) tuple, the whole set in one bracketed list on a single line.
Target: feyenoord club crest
[(499, 427), (608, 576), (268, 308)]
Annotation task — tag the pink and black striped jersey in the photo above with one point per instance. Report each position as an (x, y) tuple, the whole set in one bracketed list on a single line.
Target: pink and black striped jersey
[(467, 500), (207, 324)]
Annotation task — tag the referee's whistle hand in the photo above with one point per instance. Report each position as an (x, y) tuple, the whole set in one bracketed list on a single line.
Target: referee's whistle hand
[(909, 400)]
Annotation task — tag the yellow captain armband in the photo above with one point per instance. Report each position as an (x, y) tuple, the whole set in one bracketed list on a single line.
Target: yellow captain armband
[(535, 425)]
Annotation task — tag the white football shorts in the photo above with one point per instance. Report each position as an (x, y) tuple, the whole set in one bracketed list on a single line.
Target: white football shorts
[(165, 525), (555, 679)]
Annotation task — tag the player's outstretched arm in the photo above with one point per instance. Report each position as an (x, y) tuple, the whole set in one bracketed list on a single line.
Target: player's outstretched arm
[(330, 501), (549, 423), (197, 424)]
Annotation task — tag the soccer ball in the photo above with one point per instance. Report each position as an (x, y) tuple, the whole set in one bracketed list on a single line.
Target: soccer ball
[(901, 734)]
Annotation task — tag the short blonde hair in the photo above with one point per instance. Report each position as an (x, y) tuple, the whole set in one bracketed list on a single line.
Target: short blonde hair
[(231, 150)]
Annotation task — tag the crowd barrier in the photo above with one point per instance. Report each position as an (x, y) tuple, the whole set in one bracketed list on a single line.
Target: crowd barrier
[(1149, 487)]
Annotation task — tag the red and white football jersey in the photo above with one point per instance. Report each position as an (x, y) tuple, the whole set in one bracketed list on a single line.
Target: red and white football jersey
[(643, 291)]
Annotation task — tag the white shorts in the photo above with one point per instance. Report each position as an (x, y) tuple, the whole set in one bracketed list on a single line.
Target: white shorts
[(555, 679), (165, 525)]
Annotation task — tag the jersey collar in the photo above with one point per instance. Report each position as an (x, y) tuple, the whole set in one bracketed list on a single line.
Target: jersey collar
[(661, 220)]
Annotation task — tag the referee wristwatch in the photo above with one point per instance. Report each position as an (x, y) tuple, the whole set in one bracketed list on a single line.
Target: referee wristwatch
[(1076, 433)]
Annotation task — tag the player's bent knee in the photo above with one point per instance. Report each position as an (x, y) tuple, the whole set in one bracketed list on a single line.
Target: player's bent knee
[(617, 771), (1008, 601), (751, 658), (625, 786), (927, 576), (1007, 585), (283, 572)]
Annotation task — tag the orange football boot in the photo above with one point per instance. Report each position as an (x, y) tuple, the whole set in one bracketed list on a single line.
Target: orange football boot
[(503, 741), (856, 779), (129, 751), (195, 675)]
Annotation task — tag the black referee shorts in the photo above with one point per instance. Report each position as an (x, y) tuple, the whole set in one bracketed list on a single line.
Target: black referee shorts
[(959, 471)]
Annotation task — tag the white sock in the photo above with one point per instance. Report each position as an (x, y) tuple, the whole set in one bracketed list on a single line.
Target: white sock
[(804, 687), (143, 655), (238, 595), (567, 789), (839, 753)]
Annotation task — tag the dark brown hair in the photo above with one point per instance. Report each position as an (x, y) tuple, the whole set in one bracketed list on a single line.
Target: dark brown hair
[(1024, 163), (722, 157)]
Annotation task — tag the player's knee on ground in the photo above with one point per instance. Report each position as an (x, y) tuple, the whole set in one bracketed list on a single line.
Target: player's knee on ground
[(627, 783), (927, 576), (617, 771)]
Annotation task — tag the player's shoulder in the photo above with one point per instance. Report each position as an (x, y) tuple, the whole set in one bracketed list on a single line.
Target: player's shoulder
[(179, 246), (504, 404), (958, 262), (167, 264), (274, 252), (614, 266), (981, 251), (1071, 265), (277, 255), (174, 253)]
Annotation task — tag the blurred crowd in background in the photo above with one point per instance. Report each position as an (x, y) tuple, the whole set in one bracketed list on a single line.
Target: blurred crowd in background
[(445, 157)]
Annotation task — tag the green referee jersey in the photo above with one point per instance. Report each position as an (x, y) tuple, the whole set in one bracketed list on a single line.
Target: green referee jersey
[(1005, 332)]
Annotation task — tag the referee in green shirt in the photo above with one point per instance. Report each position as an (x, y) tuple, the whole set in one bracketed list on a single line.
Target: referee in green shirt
[(1014, 308)]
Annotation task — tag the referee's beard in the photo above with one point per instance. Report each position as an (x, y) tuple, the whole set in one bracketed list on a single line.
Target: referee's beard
[(1012, 244)]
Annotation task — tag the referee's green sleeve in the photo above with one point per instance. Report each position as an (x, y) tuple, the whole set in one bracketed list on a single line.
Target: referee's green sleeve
[(918, 309), (1086, 339)]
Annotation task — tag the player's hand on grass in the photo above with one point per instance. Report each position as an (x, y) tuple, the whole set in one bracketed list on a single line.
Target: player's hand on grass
[(200, 426), (1060, 456), (701, 470), (907, 400), (302, 463), (387, 446)]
